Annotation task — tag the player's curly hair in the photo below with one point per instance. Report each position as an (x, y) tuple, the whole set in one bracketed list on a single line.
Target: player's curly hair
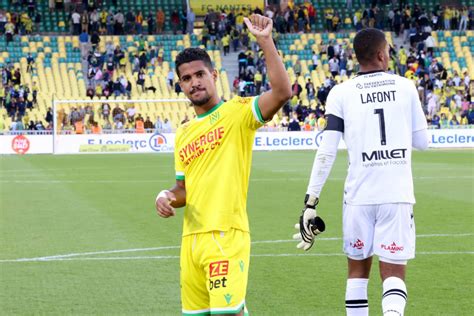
[(367, 43), (192, 54)]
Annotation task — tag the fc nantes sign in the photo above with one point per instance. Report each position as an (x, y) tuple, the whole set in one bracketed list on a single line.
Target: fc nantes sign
[(201, 7)]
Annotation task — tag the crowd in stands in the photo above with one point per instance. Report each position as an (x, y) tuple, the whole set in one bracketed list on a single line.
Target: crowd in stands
[(416, 61), (119, 23), (85, 119), (16, 97), (24, 23), (103, 64)]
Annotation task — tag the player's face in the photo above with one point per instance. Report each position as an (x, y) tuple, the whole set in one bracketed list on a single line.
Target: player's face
[(198, 82)]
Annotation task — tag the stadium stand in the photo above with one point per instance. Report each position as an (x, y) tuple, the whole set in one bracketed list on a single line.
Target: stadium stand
[(57, 18), (58, 72)]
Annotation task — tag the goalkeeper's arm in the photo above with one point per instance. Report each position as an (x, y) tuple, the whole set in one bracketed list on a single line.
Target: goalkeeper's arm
[(325, 156), (310, 224)]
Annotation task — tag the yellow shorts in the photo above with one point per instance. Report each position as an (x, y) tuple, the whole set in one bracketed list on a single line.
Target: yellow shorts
[(214, 272)]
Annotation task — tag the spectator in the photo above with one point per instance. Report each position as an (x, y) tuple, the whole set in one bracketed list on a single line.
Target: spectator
[(334, 66), (119, 21), (296, 89), (315, 59), (226, 43), (139, 23), (9, 32), (160, 20), (141, 79), (151, 23), (453, 121), (158, 124), (294, 125), (167, 126), (170, 78), (310, 92), (148, 123), (443, 122), (297, 68), (105, 111), (175, 21), (470, 114)]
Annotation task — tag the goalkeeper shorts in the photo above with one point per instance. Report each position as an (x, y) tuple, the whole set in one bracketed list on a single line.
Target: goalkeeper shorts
[(386, 230), (214, 272)]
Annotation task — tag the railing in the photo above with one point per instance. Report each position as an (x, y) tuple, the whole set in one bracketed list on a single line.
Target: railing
[(152, 130)]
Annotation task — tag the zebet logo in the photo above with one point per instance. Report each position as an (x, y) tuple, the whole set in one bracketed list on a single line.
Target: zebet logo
[(384, 154), (217, 270), (158, 143)]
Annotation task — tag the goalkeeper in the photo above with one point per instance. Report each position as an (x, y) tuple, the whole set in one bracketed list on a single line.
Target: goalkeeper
[(381, 119), (213, 154)]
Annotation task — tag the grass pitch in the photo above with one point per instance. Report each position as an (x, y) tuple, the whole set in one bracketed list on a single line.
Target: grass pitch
[(94, 245)]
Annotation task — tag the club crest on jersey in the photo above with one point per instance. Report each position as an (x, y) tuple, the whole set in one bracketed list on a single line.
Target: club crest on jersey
[(214, 117), (393, 248)]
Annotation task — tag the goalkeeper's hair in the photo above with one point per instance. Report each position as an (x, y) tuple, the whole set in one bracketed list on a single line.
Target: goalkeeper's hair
[(367, 43), (192, 54)]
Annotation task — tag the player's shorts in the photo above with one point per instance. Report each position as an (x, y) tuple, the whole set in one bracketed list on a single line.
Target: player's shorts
[(386, 230), (214, 272)]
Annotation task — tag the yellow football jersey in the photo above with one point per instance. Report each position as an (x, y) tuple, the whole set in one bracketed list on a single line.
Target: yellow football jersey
[(213, 154)]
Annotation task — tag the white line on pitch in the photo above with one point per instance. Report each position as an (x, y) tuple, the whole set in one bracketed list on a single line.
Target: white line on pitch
[(256, 255), (79, 254), (168, 180)]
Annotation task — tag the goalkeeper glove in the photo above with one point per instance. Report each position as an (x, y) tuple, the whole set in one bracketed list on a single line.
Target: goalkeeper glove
[(310, 224)]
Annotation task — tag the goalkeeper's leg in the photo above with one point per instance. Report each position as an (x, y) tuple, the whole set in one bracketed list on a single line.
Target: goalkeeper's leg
[(358, 235), (356, 288)]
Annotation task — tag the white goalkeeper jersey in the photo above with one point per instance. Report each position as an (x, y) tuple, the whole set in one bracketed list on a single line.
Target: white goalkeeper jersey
[(380, 112)]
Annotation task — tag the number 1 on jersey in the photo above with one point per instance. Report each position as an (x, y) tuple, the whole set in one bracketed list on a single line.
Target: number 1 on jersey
[(383, 139)]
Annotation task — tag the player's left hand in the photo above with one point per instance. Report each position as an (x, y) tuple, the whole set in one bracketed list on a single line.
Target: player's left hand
[(259, 25), (310, 225)]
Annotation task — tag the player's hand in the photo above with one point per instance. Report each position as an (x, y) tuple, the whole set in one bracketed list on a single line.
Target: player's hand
[(163, 204), (310, 225), (259, 25)]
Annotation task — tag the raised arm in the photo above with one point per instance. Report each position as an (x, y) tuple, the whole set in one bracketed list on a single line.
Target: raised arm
[(271, 101), (168, 200)]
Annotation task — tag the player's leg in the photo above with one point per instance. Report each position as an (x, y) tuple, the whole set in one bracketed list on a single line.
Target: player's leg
[(395, 239), (226, 268), (194, 296), (394, 295), (357, 303), (358, 223)]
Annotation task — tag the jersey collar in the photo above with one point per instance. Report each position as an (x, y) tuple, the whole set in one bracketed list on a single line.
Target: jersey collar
[(215, 107), (369, 72)]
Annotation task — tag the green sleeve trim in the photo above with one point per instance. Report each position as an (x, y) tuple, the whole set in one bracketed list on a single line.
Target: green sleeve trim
[(179, 177), (257, 110), (197, 314)]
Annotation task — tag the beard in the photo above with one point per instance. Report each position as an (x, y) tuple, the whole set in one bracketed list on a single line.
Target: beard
[(201, 101)]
